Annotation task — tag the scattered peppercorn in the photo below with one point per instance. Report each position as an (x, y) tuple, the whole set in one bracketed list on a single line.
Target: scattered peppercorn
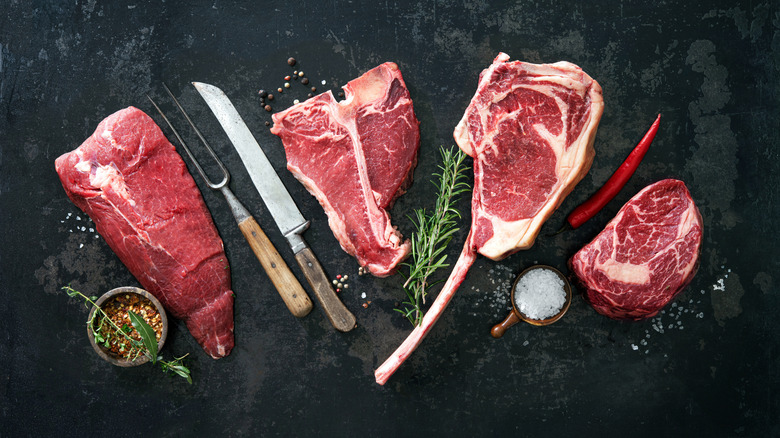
[(341, 94), (300, 73), (309, 95), (291, 62), (267, 123), (263, 94), (286, 85), (365, 305), (279, 89), (270, 96), (287, 78), (313, 89), (305, 81), (268, 108)]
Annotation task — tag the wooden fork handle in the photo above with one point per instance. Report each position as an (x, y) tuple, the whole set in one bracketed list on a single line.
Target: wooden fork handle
[(286, 284)]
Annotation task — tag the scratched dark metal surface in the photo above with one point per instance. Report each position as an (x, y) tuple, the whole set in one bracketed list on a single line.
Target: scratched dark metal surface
[(707, 367)]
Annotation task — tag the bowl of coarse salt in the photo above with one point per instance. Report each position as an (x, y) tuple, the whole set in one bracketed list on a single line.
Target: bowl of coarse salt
[(540, 295)]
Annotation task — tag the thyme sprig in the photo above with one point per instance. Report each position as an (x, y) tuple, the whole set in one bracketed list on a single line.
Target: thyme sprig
[(434, 233), (147, 346)]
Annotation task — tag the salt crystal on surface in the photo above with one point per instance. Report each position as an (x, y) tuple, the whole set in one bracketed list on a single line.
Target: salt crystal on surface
[(540, 294)]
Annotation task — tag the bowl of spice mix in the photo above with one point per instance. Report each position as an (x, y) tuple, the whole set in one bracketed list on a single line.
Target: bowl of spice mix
[(112, 332)]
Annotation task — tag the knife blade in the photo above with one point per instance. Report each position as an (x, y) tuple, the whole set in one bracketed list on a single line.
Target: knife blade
[(277, 199)]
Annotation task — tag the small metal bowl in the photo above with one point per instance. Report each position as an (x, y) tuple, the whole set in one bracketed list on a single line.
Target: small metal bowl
[(105, 353), (516, 315)]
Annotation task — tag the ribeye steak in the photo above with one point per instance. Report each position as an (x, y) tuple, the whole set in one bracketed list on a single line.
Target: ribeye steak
[(645, 256), (356, 157), (530, 129), (129, 179)]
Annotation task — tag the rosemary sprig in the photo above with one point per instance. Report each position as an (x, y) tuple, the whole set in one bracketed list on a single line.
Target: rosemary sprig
[(147, 346), (434, 233)]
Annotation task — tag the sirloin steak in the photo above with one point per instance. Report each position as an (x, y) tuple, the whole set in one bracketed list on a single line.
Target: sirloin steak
[(356, 157), (645, 256), (134, 185), (530, 129)]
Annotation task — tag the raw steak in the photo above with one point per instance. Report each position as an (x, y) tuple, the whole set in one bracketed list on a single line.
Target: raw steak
[(356, 157), (530, 129), (129, 179), (645, 256)]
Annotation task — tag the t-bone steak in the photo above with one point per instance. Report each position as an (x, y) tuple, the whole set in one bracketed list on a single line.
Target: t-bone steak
[(530, 130), (134, 185), (356, 157), (645, 256)]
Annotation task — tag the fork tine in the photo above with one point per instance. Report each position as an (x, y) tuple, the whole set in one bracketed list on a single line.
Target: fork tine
[(187, 149), (202, 139)]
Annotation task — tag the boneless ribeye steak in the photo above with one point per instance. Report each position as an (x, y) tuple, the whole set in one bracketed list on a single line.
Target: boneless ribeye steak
[(129, 179), (356, 157), (530, 130), (645, 256)]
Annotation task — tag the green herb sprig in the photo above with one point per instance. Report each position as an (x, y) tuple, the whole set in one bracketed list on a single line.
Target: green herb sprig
[(147, 346), (434, 233)]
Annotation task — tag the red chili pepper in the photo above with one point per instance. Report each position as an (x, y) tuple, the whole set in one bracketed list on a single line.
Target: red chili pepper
[(595, 203)]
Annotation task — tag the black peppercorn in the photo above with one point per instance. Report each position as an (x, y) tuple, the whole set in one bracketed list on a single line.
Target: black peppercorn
[(268, 108), (291, 62), (305, 81)]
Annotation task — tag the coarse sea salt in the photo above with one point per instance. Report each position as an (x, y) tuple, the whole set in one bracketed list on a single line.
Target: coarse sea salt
[(540, 294)]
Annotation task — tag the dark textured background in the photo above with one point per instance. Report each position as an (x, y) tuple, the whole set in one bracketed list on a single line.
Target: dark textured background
[(708, 366)]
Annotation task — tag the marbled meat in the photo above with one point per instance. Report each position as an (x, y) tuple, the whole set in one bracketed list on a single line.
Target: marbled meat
[(530, 130), (356, 157), (645, 256)]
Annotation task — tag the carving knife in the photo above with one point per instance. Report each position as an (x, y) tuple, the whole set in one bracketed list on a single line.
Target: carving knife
[(278, 201)]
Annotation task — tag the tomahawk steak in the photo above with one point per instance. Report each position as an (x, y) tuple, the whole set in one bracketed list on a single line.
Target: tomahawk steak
[(645, 256), (530, 129), (356, 157), (129, 179)]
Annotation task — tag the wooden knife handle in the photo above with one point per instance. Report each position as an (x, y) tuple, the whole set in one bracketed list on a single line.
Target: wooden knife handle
[(286, 284), (338, 314)]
